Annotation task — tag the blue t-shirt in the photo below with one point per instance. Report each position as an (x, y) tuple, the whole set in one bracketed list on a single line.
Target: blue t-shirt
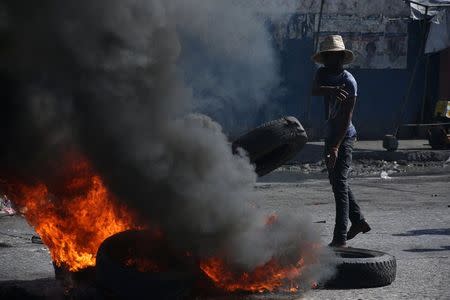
[(333, 106)]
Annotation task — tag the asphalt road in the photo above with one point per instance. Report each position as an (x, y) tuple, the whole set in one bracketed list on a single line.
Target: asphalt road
[(409, 215), (410, 219)]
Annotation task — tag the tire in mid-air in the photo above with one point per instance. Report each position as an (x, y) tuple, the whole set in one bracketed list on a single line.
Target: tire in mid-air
[(272, 144), (362, 268)]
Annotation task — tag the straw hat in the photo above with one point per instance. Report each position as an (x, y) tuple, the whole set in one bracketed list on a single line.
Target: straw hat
[(333, 43)]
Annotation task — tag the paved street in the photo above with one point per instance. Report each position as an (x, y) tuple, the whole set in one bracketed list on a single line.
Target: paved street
[(410, 218)]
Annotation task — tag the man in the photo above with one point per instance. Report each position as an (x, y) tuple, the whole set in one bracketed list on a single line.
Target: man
[(339, 89)]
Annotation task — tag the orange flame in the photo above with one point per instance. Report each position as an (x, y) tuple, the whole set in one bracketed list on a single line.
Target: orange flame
[(74, 225), (82, 213), (143, 265), (271, 219), (273, 276), (267, 278)]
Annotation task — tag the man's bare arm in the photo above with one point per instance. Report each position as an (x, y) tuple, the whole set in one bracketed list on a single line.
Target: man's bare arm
[(323, 90), (334, 91), (344, 119)]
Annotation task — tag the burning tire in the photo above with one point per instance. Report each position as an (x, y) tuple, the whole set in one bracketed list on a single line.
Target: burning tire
[(272, 144), (129, 265), (361, 268)]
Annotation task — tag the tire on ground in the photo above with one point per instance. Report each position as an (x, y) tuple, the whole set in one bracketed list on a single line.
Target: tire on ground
[(438, 138), (272, 144), (124, 282), (390, 142), (361, 268)]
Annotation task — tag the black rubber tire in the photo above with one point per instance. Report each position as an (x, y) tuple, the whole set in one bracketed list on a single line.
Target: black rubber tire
[(438, 138), (390, 142), (127, 283), (362, 268), (272, 144)]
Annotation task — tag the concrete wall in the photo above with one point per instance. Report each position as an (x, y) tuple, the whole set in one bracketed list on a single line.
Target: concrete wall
[(383, 78), (380, 33)]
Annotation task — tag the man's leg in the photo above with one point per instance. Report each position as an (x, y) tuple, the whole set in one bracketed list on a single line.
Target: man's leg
[(359, 224), (338, 179), (354, 212)]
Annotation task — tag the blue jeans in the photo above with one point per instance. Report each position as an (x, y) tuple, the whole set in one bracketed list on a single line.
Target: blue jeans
[(346, 206)]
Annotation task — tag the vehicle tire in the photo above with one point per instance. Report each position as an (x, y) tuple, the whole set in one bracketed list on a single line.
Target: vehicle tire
[(390, 142), (272, 144), (361, 268), (125, 282), (438, 138)]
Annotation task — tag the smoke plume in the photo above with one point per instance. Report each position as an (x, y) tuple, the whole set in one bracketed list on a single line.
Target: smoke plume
[(121, 80)]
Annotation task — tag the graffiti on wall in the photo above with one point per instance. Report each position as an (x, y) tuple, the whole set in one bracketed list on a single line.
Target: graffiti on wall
[(358, 7), (376, 31), (378, 42)]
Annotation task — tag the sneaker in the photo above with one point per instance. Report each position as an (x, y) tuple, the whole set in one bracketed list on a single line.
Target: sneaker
[(362, 226)]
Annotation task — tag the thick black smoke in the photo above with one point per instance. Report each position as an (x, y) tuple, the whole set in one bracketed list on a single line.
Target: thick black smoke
[(106, 77)]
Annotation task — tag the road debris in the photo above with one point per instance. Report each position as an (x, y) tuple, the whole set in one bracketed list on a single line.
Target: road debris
[(447, 162), (6, 207), (385, 175), (36, 240)]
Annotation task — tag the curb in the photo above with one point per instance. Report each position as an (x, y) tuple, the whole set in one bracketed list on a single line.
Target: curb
[(405, 155), (313, 153)]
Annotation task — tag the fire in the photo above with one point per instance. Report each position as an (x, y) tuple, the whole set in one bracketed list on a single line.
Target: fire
[(271, 219), (143, 265), (75, 222), (273, 276), (267, 278), (74, 216)]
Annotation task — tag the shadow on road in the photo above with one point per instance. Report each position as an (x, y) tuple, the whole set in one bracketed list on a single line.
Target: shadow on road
[(438, 231), (46, 288), (443, 248)]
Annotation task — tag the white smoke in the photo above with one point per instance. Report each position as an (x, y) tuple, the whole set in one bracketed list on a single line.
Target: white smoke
[(228, 59)]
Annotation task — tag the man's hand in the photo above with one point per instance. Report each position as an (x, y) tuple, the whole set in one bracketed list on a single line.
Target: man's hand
[(340, 93), (331, 158), (337, 92)]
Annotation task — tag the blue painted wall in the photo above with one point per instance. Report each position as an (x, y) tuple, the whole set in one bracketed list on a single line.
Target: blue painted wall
[(381, 91)]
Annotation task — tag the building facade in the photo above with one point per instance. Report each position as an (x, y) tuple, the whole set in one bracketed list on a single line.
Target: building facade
[(386, 43)]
